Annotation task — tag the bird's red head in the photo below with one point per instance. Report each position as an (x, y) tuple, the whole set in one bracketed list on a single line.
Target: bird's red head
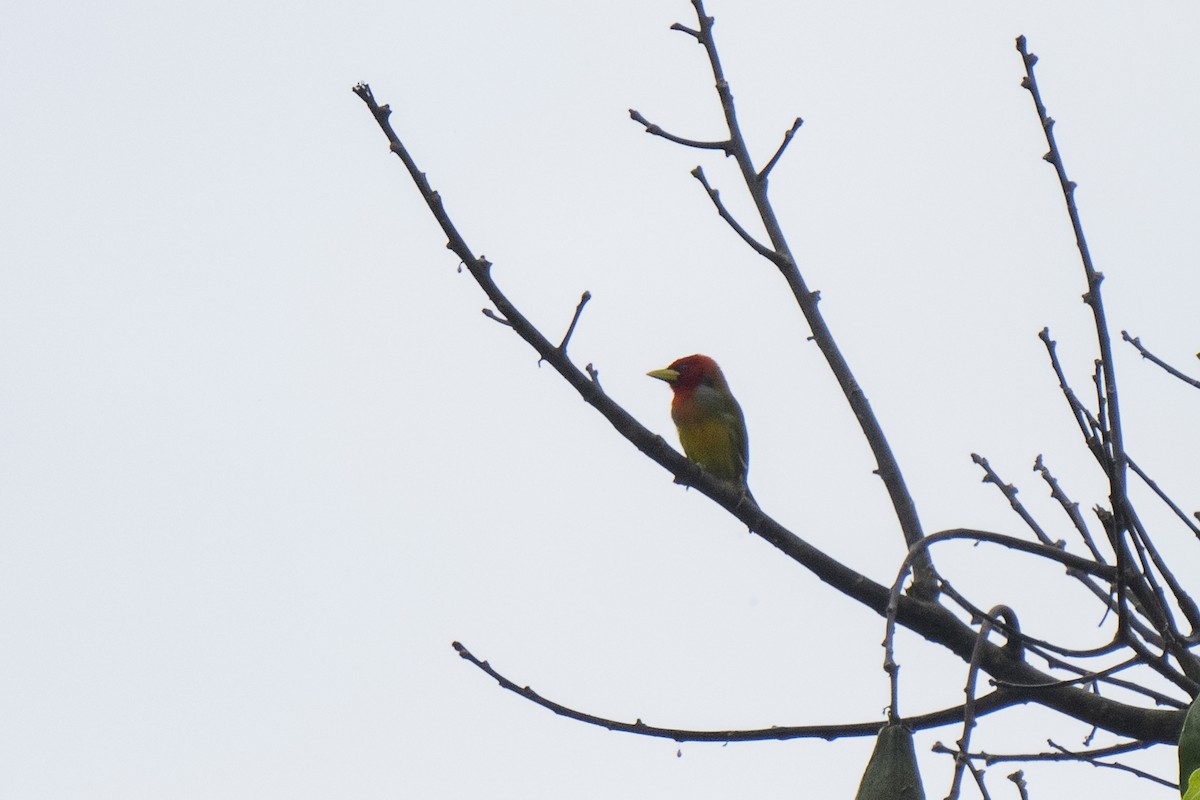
[(686, 373)]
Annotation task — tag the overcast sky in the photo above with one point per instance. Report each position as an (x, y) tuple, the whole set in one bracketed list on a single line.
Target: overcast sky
[(262, 458)]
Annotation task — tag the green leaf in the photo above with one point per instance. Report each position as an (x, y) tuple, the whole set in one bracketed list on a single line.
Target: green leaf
[(1189, 751), (1192, 792), (892, 771)]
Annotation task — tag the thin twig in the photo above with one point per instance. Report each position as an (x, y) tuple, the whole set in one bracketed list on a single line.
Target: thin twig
[(594, 374), (1116, 765), (1054, 656), (1088, 426), (1116, 467), (1010, 493), (583, 299), (1101, 405), (1101, 676), (964, 741), (1146, 354), (1184, 600), (1069, 506), (1052, 653), (787, 138), (656, 130), (1063, 754), (948, 716), (492, 315), (1163, 496), (685, 29), (715, 196), (1018, 778)]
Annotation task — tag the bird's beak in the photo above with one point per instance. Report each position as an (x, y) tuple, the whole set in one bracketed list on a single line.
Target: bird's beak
[(668, 375)]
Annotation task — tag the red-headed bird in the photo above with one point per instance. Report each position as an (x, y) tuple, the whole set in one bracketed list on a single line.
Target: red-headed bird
[(711, 427)]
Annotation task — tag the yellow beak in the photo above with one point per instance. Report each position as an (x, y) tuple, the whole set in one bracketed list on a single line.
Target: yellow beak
[(668, 375)]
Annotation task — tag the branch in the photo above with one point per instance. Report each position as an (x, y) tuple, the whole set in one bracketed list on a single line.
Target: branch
[(1096, 677), (964, 741), (583, 300), (787, 139), (1093, 437), (715, 196), (1069, 506), (893, 610), (1163, 496), (1062, 754), (651, 128), (1114, 765), (1010, 493), (984, 705), (1116, 468), (1137, 342), (1018, 779)]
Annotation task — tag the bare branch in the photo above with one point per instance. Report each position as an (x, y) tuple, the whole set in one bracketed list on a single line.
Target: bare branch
[(948, 716), (1163, 496), (1115, 765), (1116, 468), (964, 741), (651, 128), (1137, 342), (715, 196), (1063, 754), (1099, 676), (594, 374), (787, 138), (890, 666), (1052, 653), (1188, 606), (492, 315), (1010, 492), (583, 300), (1069, 506), (1018, 778), (1088, 425), (685, 29)]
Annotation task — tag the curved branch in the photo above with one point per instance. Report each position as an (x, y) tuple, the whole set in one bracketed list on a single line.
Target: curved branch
[(961, 762), (1136, 341), (656, 130), (948, 716)]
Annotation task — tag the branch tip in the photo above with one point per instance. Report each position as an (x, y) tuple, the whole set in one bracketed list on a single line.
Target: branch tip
[(678, 26), (583, 299), (492, 315)]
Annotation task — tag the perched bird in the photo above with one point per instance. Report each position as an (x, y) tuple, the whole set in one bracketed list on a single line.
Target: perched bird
[(711, 427)]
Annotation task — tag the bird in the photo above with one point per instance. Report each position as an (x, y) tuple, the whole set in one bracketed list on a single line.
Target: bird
[(712, 428)]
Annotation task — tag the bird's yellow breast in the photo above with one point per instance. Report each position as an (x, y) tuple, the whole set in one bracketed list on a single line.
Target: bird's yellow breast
[(713, 444)]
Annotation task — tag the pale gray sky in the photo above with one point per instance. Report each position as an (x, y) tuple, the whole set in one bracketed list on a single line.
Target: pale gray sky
[(262, 459)]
